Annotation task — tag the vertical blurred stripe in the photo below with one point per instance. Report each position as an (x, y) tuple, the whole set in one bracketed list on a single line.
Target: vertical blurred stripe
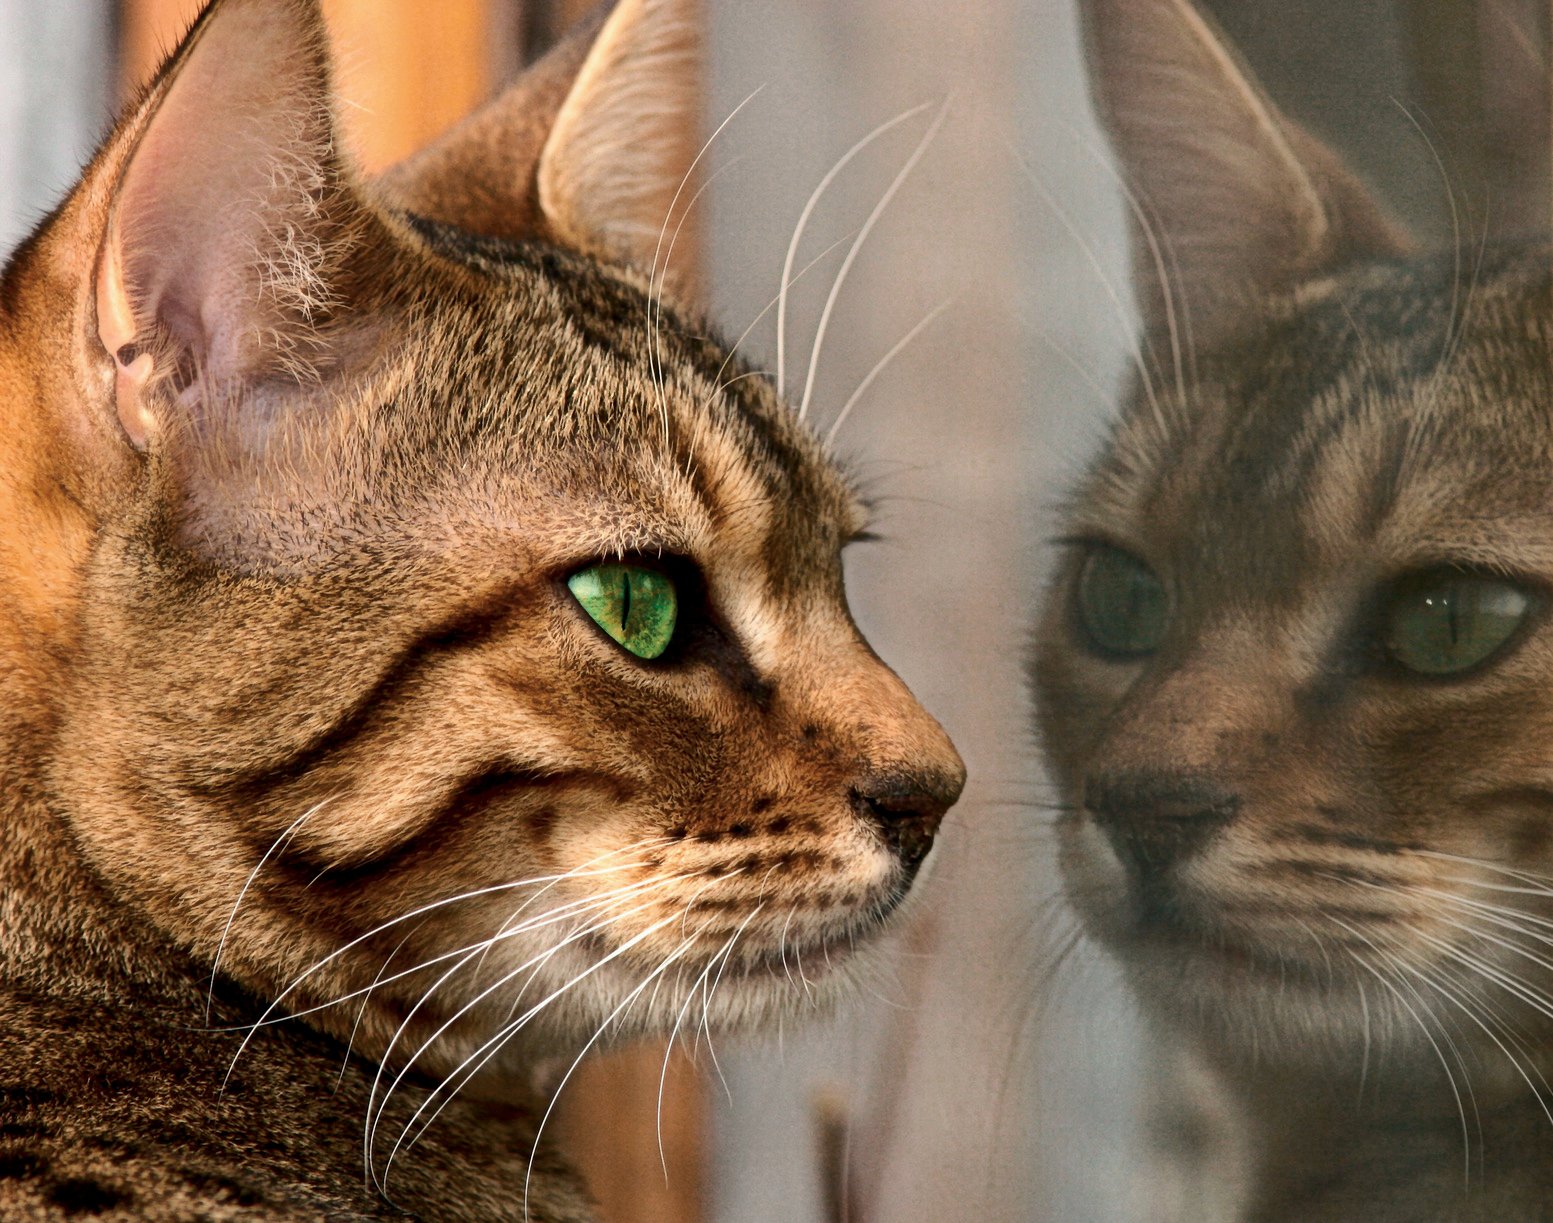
[(56, 91), (409, 70)]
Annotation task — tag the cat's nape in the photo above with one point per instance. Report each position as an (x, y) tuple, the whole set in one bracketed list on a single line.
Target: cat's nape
[(326, 503), (1293, 669)]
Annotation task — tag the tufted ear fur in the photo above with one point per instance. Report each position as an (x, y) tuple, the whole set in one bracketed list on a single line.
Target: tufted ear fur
[(1237, 204), (587, 149), (230, 219)]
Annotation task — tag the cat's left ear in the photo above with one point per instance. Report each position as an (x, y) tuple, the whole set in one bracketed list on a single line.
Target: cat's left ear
[(229, 217), (588, 149)]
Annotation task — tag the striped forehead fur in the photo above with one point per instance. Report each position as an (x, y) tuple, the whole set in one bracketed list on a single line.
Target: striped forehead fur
[(1329, 417), (639, 421)]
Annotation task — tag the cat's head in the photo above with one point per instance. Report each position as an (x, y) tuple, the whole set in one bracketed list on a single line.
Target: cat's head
[(442, 614), (1295, 666)]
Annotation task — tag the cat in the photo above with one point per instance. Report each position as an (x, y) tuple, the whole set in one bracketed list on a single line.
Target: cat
[(1292, 671), (424, 651)]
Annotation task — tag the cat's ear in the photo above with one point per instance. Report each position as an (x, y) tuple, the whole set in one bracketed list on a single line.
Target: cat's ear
[(589, 148), (1232, 202), (228, 215)]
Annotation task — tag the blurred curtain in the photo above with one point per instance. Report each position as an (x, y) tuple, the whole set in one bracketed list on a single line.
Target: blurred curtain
[(56, 92)]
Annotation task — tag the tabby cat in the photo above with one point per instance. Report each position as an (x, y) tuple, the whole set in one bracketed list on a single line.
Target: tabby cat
[(1294, 671), (416, 626)]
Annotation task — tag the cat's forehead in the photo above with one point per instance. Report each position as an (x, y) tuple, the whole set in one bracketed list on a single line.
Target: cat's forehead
[(1397, 416), (537, 396)]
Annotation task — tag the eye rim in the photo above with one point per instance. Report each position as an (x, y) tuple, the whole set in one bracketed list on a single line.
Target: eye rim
[(1419, 579), (683, 577), (1089, 550)]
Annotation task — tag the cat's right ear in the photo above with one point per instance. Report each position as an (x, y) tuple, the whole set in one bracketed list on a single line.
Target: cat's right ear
[(1233, 203), (589, 148)]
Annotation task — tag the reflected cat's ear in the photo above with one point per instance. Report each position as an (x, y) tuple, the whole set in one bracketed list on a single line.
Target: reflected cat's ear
[(229, 216), (588, 148), (1234, 203)]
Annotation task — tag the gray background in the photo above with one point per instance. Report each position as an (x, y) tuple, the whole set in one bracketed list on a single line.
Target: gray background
[(57, 82)]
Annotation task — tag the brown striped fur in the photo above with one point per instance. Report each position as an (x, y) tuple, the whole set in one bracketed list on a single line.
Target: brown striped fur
[(1362, 931), (295, 471)]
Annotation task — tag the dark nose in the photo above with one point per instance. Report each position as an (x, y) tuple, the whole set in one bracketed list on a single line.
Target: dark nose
[(907, 810), (1156, 820)]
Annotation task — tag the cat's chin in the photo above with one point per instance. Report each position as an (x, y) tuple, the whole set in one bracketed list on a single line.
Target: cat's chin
[(799, 977), (626, 1001), (1247, 1001)]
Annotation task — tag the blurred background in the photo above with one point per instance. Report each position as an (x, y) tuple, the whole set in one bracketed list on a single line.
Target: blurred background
[(993, 1075)]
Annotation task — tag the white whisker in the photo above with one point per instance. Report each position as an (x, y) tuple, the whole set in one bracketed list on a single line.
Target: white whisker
[(880, 367), (657, 370), (1123, 319), (481, 1056), (543, 957), (788, 279), (361, 1011), (765, 310), (706, 999), (857, 245), (1466, 1138), (1177, 330), (577, 1061), (215, 964)]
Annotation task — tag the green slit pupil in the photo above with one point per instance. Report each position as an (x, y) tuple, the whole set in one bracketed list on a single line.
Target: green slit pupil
[(1122, 606), (1443, 623), (637, 605)]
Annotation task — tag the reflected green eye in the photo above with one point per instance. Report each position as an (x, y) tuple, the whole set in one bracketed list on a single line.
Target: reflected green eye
[(1448, 622), (635, 605), (1121, 603)]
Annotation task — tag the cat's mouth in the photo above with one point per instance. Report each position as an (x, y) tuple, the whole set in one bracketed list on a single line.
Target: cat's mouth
[(1169, 925), (1163, 933), (1185, 940), (782, 944)]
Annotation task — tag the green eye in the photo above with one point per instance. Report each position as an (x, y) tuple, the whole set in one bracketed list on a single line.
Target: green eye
[(1449, 622), (1122, 606), (635, 605)]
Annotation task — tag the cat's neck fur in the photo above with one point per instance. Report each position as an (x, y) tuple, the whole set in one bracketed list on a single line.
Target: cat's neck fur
[(1316, 1146), (54, 914)]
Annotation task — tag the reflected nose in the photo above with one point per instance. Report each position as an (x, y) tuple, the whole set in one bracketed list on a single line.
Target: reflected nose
[(907, 810), (1156, 820)]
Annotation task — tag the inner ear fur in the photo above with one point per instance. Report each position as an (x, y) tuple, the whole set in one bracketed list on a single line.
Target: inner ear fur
[(1232, 202), (589, 149), (230, 221)]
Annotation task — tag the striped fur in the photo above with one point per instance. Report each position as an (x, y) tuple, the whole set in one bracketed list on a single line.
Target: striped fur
[(299, 713)]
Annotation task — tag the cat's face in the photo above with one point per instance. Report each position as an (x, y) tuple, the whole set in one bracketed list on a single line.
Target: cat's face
[(1294, 665), (1293, 671), (356, 649)]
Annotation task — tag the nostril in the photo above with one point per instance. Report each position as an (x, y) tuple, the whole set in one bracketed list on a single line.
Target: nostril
[(906, 810), (1155, 820)]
